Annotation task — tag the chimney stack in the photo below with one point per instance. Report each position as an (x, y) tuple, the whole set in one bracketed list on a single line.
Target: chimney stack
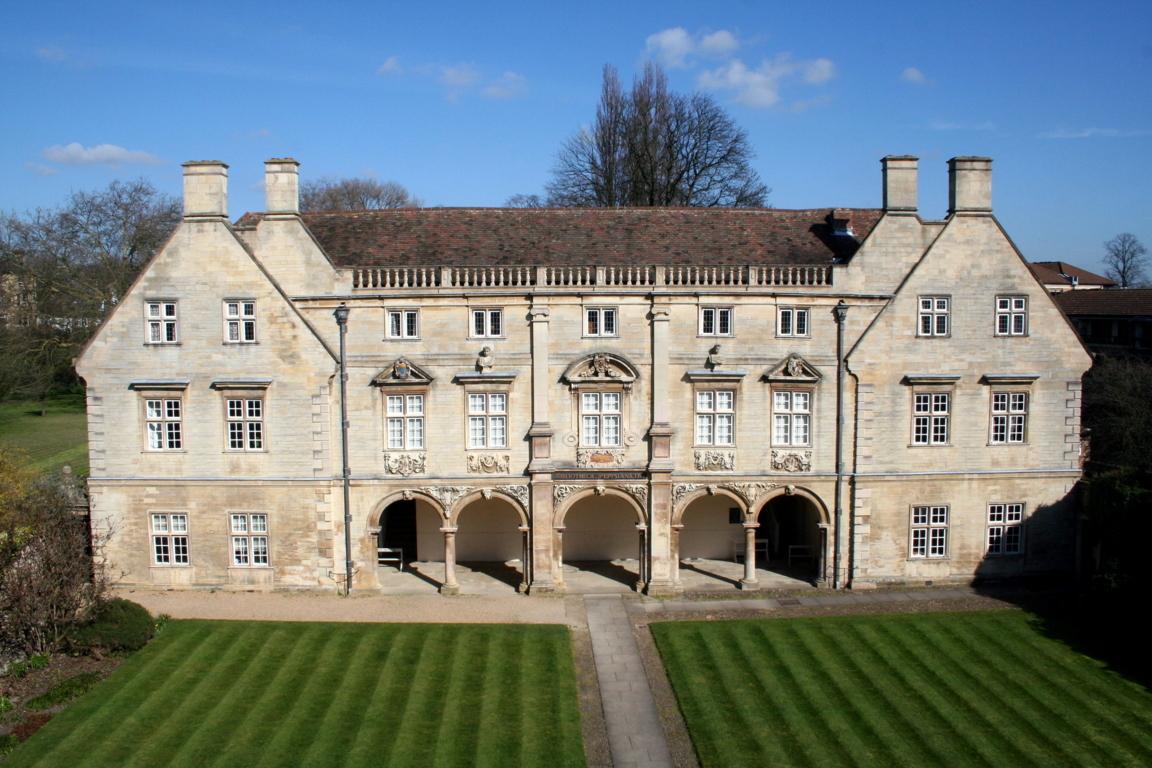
[(205, 189), (970, 185), (899, 183), (282, 186)]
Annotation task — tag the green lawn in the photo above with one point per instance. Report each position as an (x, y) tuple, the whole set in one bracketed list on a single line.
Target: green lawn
[(213, 693), (972, 689), (51, 440)]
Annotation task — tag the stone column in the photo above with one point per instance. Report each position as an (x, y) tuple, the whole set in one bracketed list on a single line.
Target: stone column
[(558, 558), (750, 581), (525, 557), (644, 572), (676, 530), (450, 586), (660, 550), (544, 572)]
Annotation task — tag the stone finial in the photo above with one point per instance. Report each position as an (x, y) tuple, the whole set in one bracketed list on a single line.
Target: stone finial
[(713, 362), (485, 360)]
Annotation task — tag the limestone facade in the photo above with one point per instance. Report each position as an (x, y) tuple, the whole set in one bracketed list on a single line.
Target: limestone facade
[(554, 385)]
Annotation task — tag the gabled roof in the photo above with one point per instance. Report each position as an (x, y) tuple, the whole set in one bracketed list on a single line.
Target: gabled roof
[(1118, 302), (577, 236), (1062, 273)]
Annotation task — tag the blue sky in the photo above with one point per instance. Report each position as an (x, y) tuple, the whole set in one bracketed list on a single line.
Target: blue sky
[(466, 104)]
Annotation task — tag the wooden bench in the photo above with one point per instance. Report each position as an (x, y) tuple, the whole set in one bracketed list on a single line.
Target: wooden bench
[(394, 555)]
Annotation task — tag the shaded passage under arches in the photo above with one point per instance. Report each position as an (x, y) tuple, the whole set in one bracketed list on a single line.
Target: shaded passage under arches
[(492, 539), (600, 535)]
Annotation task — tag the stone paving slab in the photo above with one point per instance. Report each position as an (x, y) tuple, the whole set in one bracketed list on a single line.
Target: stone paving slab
[(635, 734)]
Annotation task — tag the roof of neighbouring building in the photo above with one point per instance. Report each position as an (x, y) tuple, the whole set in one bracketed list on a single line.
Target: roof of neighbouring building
[(1118, 302), (577, 236), (1062, 273)]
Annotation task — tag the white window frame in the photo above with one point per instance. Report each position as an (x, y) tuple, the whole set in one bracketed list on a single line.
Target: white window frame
[(163, 423), (487, 420), (601, 424), (596, 322), (794, 322), (1009, 420), (715, 417), (931, 417), (161, 322), (239, 321), (248, 539), (934, 316), (792, 423), (403, 323), (244, 418), (1005, 528), (486, 323), (716, 321), (169, 539), (404, 424), (928, 532), (1011, 315)]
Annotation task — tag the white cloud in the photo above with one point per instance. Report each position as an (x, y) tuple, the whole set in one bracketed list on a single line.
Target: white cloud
[(51, 53), (671, 47), (459, 76), (40, 169), (760, 87), (391, 66), (914, 76), (100, 154), (819, 71), (719, 43), (509, 85), (1092, 133)]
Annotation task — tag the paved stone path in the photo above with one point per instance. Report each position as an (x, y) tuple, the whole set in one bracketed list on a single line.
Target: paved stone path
[(635, 734)]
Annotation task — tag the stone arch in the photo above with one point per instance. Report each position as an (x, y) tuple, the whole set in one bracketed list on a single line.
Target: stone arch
[(755, 509), (618, 367), (699, 493), (488, 493), (584, 493), (373, 519)]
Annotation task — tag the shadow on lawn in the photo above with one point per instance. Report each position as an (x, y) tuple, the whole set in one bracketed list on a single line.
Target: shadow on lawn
[(1093, 616)]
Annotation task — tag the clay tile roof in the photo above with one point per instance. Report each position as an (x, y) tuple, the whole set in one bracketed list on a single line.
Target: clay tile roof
[(1127, 302), (586, 236), (1060, 272)]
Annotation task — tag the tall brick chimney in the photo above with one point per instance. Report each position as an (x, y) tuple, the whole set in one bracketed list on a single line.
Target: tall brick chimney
[(900, 191), (970, 185), (205, 189), (282, 186)]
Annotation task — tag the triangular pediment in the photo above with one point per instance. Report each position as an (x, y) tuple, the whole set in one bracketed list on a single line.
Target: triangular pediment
[(794, 369), (403, 372), (600, 368)]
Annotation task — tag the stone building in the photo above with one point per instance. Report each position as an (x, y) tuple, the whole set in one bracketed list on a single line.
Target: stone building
[(555, 386)]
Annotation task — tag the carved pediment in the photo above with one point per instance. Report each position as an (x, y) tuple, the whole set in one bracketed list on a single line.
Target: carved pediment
[(600, 368), (794, 369), (402, 372)]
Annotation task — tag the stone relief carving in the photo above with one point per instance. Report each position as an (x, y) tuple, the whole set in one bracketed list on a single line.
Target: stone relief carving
[(715, 461), (794, 366), (681, 490), (750, 492), (600, 367), (487, 463), (714, 360), (561, 492), (485, 360), (638, 491), (518, 492), (404, 463), (792, 461), (447, 495), (599, 457)]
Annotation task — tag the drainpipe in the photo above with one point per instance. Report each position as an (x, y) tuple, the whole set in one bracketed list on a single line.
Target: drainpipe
[(840, 312), (341, 315)]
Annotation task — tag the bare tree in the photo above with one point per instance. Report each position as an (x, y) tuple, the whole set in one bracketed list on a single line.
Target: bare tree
[(329, 194), (652, 147), (521, 200), (1126, 259)]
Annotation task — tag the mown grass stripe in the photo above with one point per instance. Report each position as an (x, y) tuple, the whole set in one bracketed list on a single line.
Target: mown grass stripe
[(251, 726), (297, 727), (76, 736), (427, 681), (1131, 736), (536, 664), (499, 699), (458, 720), (1036, 723), (383, 715), (970, 698)]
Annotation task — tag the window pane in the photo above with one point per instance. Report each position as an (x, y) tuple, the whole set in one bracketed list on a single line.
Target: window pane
[(498, 431), (160, 523), (801, 322), (611, 402), (497, 403), (494, 323), (785, 322), (800, 401), (255, 409), (476, 431), (704, 401), (395, 405), (160, 548), (941, 325), (239, 523), (410, 324), (724, 429), (259, 523), (703, 429), (394, 324), (800, 429), (782, 429), (260, 550), (725, 318), (395, 433), (416, 433), (782, 401), (239, 550), (255, 435), (724, 401), (611, 430), (590, 433), (708, 321), (609, 322), (155, 436), (478, 323), (415, 404), (476, 403), (180, 550), (172, 409), (590, 402)]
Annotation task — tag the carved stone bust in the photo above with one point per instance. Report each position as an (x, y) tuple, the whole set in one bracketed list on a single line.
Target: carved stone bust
[(485, 360)]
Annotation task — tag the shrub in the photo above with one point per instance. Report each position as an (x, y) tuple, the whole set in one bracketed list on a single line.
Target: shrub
[(8, 742), (17, 669), (5, 704), (65, 691), (117, 625), (39, 661)]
